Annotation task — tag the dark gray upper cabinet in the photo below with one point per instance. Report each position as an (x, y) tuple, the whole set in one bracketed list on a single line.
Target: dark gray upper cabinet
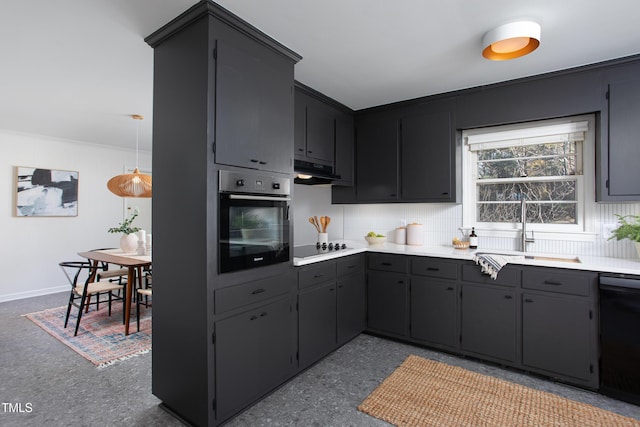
[(623, 173), (254, 104), (377, 159), (344, 162), (314, 129), (405, 155), (324, 132), (427, 157)]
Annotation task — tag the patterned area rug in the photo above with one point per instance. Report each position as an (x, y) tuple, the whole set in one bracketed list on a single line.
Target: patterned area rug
[(426, 393), (100, 338)]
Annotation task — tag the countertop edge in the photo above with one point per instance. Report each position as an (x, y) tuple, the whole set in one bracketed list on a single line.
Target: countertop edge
[(587, 263)]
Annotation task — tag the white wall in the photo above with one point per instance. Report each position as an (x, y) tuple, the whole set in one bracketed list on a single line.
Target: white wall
[(32, 246), (441, 222)]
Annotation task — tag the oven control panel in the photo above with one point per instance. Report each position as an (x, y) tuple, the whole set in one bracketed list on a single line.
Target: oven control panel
[(253, 183)]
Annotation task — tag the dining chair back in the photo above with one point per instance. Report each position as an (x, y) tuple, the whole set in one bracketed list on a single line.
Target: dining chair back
[(81, 276)]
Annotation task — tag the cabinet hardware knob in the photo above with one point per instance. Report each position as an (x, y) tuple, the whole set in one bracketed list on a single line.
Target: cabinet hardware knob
[(450, 288), (386, 263), (254, 160), (551, 282), (262, 162), (508, 297), (254, 317), (257, 291), (528, 300), (263, 314), (432, 269)]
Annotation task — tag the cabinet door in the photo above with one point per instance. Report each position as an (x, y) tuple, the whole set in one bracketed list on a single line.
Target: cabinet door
[(387, 302), (320, 131), (624, 148), (253, 355), (344, 149), (377, 160), (428, 157), (351, 306), (556, 335), (316, 323), (434, 314), (254, 105), (489, 321), (300, 124)]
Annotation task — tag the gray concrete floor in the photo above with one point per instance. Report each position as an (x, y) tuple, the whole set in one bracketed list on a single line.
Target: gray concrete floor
[(65, 389)]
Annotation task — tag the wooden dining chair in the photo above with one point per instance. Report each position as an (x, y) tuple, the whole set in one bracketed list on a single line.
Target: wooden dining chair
[(143, 297), (80, 275)]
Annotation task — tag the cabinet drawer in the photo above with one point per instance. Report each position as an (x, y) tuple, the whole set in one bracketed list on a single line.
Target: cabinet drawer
[(387, 262), (350, 264), (248, 293), (314, 274), (508, 276), (434, 267), (560, 281)]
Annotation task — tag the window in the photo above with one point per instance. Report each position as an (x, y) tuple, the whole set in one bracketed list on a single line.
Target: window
[(540, 162)]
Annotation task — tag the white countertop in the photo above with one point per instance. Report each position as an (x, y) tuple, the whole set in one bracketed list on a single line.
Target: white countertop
[(588, 263)]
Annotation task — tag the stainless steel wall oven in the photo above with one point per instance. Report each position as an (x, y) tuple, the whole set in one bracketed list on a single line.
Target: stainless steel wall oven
[(254, 220)]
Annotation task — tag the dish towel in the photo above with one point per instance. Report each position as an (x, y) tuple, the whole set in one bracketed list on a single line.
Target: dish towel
[(491, 264)]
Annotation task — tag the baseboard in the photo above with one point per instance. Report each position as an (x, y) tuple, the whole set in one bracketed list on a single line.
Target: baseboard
[(34, 293)]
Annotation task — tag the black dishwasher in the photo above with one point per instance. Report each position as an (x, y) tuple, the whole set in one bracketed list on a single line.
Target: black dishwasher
[(620, 337)]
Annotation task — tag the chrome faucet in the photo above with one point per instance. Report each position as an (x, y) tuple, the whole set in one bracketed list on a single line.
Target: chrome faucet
[(523, 216)]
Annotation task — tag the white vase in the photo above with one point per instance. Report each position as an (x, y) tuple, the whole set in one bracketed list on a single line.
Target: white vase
[(129, 243)]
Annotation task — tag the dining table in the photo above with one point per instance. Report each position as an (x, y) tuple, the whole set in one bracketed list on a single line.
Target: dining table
[(134, 264)]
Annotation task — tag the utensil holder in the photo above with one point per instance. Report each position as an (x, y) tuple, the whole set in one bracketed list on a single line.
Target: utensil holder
[(323, 238)]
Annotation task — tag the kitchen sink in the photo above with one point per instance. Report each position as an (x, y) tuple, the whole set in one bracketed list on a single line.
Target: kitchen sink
[(552, 258)]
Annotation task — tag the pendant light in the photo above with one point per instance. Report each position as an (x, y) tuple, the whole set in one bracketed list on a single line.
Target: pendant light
[(133, 184), (511, 40)]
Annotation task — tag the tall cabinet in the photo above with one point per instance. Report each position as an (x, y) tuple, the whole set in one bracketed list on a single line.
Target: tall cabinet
[(223, 98)]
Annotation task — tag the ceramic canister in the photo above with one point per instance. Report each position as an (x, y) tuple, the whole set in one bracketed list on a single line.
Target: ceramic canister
[(415, 236)]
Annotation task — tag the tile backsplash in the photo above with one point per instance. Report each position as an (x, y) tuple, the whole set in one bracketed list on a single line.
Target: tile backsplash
[(441, 222)]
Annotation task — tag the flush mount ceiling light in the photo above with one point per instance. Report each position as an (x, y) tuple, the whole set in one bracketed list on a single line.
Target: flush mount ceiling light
[(511, 41), (133, 184)]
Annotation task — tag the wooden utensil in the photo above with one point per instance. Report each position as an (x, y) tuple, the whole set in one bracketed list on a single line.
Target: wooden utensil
[(317, 222), (312, 221), (323, 224), (327, 220)]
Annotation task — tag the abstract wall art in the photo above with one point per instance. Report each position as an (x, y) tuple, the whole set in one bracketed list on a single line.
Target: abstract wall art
[(46, 192)]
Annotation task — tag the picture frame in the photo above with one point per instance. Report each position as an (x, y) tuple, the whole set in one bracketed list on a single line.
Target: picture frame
[(43, 192)]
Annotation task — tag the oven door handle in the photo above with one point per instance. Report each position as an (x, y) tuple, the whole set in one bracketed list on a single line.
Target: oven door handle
[(252, 197)]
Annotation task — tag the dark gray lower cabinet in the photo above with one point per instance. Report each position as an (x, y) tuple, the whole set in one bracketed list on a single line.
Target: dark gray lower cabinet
[(489, 322), (316, 323), (556, 335), (387, 303), (351, 306), (434, 311), (253, 355), (331, 306)]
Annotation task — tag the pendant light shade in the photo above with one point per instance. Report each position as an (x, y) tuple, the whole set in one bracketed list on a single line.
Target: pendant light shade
[(133, 184), (511, 41)]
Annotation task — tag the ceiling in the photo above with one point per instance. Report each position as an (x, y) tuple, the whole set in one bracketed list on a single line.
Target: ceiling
[(77, 69)]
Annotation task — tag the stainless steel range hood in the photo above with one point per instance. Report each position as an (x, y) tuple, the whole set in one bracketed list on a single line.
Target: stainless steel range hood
[(309, 173)]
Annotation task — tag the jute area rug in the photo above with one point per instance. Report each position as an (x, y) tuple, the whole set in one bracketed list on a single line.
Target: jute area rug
[(424, 392), (101, 338)]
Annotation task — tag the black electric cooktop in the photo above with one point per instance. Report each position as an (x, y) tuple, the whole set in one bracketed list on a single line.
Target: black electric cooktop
[(317, 249)]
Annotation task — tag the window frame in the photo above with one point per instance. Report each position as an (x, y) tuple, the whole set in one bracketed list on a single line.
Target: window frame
[(584, 229)]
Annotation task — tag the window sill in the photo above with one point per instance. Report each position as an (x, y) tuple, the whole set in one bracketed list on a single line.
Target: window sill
[(576, 236)]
